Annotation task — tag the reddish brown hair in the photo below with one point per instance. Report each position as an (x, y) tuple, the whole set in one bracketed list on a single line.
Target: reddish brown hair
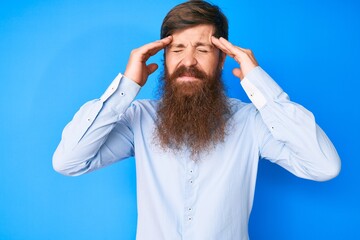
[(192, 13)]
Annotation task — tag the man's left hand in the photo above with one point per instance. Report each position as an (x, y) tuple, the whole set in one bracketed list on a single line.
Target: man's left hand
[(244, 57)]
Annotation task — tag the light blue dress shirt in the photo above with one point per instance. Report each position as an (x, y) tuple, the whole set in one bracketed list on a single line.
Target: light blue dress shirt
[(208, 199)]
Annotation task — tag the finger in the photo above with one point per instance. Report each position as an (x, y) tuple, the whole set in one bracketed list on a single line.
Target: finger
[(151, 68), (231, 48), (220, 46), (161, 44), (151, 49), (238, 73)]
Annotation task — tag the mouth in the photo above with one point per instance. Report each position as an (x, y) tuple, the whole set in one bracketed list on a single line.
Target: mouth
[(186, 78)]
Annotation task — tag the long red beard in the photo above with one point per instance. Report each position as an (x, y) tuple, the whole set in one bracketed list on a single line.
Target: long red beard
[(192, 114)]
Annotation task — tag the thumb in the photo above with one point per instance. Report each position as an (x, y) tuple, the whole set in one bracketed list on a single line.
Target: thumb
[(151, 68), (238, 73)]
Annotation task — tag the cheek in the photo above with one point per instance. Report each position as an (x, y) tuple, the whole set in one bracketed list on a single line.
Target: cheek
[(209, 64), (170, 63)]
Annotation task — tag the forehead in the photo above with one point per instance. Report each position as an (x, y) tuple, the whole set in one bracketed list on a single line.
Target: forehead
[(199, 33)]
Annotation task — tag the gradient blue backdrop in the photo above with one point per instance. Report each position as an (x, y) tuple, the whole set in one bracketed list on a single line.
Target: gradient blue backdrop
[(56, 55)]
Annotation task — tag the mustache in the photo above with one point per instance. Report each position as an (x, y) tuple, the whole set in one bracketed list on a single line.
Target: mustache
[(188, 71)]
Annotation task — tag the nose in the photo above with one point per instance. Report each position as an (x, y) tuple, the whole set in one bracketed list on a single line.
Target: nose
[(189, 59)]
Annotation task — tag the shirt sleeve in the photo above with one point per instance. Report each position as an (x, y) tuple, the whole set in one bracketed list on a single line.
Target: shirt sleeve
[(88, 141), (288, 133)]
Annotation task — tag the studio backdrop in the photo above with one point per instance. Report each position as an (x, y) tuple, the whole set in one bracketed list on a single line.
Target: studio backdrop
[(56, 55)]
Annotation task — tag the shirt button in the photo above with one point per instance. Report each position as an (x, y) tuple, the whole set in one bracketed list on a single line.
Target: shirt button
[(190, 218), (122, 94), (189, 208)]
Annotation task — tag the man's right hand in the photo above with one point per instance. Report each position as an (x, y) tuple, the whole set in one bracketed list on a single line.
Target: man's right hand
[(136, 69)]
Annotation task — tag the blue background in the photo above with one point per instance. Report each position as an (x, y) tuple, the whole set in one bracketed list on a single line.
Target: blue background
[(56, 55)]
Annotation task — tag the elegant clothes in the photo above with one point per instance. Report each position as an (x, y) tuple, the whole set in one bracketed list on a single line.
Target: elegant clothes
[(207, 199)]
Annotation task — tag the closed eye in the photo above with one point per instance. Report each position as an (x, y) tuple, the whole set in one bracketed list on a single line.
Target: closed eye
[(203, 50)]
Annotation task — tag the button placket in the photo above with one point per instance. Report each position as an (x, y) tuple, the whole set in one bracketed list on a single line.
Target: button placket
[(191, 175)]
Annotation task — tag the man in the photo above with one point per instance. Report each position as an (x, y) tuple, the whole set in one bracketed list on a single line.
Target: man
[(196, 150)]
